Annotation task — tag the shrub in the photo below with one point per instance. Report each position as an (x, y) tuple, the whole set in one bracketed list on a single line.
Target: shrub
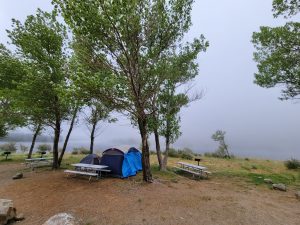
[(208, 154), (218, 154), (173, 153), (23, 148), (80, 150), (74, 152), (292, 164), (8, 147), (44, 148), (186, 153)]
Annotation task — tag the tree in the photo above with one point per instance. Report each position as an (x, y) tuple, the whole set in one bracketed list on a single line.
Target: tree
[(128, 45), (222, 150), (42, 45), (278, 52), (97, 112), (36, 128), (11, 72), (166, 121), (286, 7)]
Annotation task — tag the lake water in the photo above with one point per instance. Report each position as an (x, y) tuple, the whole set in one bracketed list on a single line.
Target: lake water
[(100, 146)]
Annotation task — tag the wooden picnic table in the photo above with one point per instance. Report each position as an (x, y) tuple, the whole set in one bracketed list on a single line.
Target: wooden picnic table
[(193, 169), (88, 170)]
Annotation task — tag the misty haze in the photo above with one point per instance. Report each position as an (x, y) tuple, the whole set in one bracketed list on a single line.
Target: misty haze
[(256, 122)]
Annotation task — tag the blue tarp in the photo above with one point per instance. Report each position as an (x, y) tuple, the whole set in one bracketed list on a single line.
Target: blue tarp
[(132, 163)]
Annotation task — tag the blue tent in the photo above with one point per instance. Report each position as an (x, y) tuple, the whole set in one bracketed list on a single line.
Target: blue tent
[(122, 164), (91, 159)]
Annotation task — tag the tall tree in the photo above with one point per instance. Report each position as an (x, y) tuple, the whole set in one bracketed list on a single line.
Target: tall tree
[(128, 45), (278, 52), (42, 44)]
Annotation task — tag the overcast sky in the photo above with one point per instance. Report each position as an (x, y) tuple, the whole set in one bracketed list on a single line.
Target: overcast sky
[(256, 122)]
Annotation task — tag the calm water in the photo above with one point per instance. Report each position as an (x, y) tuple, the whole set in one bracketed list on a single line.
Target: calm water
[(100, 146)]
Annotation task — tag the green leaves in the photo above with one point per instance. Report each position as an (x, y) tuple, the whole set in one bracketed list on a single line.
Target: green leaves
[(278, 52), (278, 55), (286, 7)]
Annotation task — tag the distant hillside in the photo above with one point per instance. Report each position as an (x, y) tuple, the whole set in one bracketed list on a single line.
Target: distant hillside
[(25, 137)]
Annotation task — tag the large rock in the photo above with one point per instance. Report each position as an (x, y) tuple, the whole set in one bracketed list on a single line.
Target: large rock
[(18, 176), (7, 211), (280, 187), (61, 219), (268, 181)]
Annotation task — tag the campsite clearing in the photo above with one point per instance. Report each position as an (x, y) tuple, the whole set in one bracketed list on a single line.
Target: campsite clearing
[(171, 199)]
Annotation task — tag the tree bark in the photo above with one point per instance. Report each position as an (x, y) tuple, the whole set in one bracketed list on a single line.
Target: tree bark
[(165, 160), (57, 130), (36, 133), (92, 138), (147, 176), (158, 150), (67, 137)]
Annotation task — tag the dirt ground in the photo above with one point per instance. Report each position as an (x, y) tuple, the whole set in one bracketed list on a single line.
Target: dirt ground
[(218, 201)]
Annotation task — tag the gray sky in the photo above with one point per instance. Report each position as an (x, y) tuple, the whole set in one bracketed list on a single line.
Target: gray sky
[(256, 122)]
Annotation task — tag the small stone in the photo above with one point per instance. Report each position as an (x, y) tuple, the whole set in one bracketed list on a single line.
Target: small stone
[(280, 187), (19, 217), (298, 195), (18, 176), (268, 181)]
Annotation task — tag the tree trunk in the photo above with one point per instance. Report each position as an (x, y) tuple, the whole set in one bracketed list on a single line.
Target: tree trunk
[(55, 144), (92, 138), (165, 160), (67, 137), (147, 176), (36, 133), (158, 150)]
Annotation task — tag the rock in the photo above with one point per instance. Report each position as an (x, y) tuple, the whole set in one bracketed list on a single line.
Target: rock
[(268, 181), (280, 187), (18, 176), (61, 219), (298, 195), (7, 211), (19, 217)]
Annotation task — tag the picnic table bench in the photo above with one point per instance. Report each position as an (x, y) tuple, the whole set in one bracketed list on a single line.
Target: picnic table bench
[(195, 170), (37, 162), (88, 170)]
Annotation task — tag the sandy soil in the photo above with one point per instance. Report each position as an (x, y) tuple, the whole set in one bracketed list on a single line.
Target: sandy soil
[(42, 194)]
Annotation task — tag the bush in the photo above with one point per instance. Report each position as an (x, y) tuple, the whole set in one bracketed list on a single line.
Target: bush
[(23, 148), (80, 150), (173, 153), (74, 152), (218, 154), (186, 153), (44, 148), (292, 164), (8, 147)]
